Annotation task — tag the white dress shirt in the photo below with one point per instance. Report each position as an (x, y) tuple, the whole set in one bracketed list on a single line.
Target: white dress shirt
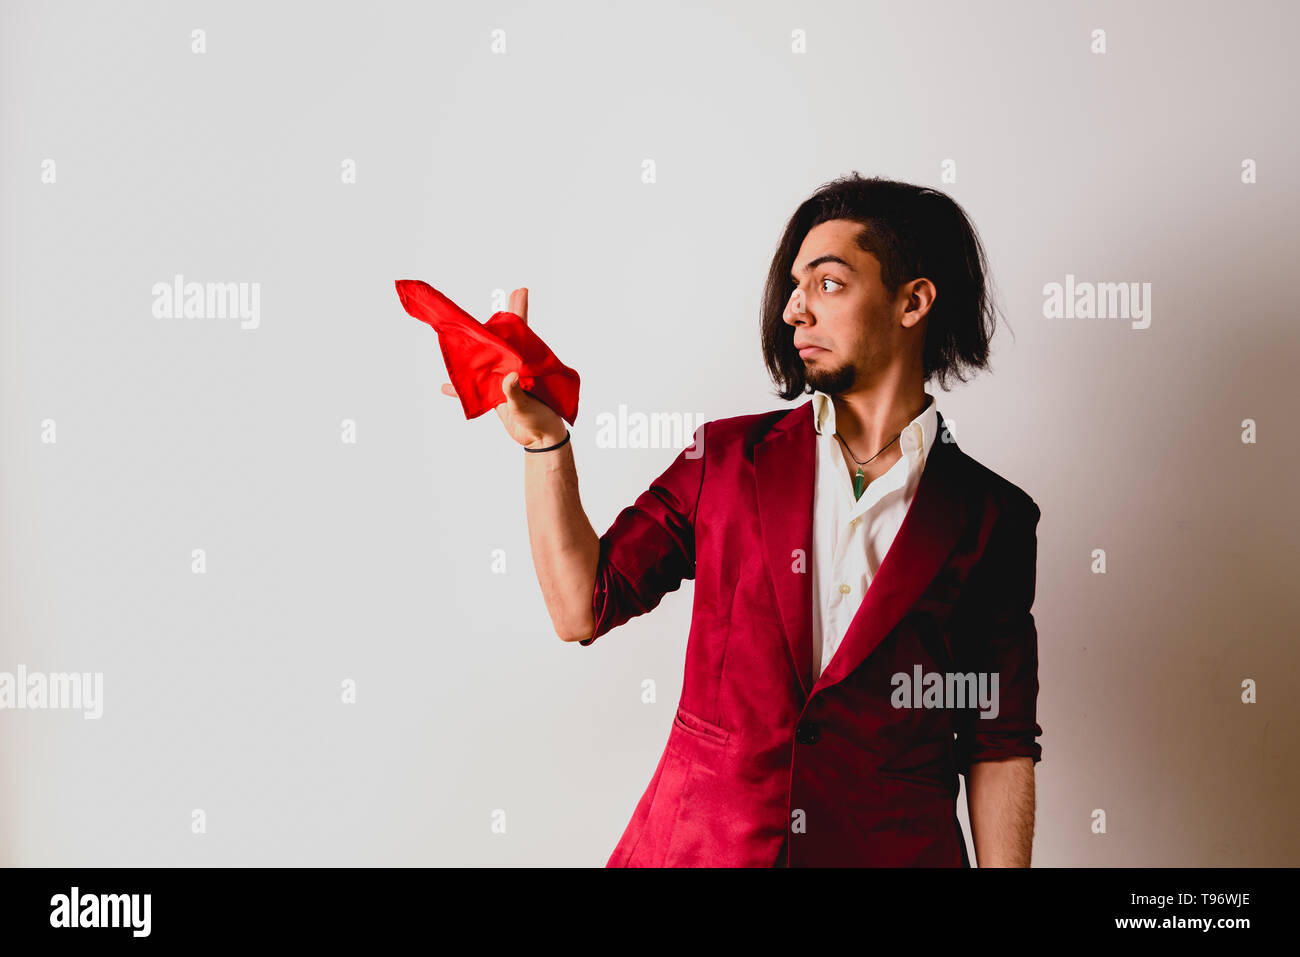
[(851, 537)]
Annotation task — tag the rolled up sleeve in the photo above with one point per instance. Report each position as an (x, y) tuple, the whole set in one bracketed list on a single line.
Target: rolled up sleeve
[(997, 635), (650, 547)]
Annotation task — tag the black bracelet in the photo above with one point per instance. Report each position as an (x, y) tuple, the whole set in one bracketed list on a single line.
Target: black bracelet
[(550, 448)]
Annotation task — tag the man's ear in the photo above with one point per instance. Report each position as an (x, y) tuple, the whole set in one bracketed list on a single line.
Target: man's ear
[(920, 300)]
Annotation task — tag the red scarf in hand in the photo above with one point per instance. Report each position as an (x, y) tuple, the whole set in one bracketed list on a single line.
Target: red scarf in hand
[(479, 356)]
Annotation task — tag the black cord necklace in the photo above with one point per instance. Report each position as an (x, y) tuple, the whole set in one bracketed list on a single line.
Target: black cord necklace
[(860, 479)]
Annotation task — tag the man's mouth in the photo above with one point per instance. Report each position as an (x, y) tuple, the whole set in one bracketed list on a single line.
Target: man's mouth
[(807, 351)]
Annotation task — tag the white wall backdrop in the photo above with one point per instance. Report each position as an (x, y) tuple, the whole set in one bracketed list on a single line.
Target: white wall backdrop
[(633, 165)]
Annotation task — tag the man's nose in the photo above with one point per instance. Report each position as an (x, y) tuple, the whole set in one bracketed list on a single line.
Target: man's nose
[(796, 308)]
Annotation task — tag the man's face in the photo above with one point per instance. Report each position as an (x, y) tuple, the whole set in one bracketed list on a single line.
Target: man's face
[(839, 309)]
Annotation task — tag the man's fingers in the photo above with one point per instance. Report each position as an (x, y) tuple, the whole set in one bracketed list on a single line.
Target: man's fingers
[(510, 386), (519, 303), (515, 394), (449, 389)]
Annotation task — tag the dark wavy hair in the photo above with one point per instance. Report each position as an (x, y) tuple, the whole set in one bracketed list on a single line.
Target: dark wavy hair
[(914, 231)]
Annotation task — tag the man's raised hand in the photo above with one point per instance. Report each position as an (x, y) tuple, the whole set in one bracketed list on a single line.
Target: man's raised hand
[(529, 421)]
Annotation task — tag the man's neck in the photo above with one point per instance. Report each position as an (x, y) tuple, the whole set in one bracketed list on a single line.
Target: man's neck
[(868, 418)]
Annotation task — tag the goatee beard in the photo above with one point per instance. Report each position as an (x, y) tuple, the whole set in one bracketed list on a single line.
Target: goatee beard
[(831, 381)]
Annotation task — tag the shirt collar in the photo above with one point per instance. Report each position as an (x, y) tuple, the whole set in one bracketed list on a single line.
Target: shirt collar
[(917, 436)]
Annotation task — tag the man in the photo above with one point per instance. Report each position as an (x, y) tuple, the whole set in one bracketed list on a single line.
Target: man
[(861, 630)]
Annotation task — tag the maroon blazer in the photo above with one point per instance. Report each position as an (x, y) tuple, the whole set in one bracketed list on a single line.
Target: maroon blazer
[(765, 764)]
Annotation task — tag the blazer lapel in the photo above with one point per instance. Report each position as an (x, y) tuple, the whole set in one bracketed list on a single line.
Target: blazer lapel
[(784, 470), (784, 473)]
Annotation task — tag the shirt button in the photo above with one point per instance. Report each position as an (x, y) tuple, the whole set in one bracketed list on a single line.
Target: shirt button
[(844, 589), (853, 523)]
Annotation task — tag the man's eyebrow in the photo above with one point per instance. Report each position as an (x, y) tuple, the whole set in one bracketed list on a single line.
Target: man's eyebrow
[(828, 258)]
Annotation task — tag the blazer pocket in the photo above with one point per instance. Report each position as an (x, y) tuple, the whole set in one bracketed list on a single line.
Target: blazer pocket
[(693, 724)]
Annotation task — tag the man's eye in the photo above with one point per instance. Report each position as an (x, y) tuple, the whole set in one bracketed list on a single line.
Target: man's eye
[(794, 283)]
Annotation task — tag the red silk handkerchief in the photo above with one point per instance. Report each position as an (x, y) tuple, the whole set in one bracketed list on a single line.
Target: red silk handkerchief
[(479, 356)]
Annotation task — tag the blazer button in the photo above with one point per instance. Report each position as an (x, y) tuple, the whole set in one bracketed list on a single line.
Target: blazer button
[(807, 733)]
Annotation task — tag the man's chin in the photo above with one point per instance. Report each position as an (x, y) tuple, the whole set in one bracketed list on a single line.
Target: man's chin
[(829, 381)]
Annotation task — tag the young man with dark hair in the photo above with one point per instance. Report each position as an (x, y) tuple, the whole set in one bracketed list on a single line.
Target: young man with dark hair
[(862, 629)]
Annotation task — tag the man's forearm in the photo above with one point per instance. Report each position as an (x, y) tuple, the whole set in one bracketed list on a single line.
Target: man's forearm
[(566, 549), (1000, 801)]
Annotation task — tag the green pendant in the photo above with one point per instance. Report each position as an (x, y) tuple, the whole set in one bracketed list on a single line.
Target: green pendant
[(859, 484)]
